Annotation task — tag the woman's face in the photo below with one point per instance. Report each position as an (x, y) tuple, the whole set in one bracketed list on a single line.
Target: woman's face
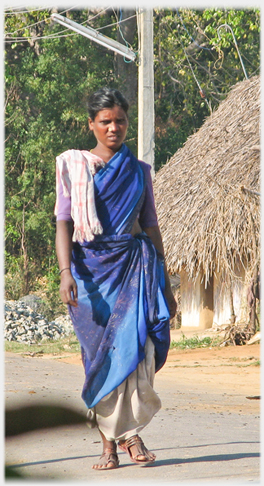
[(110, 127)]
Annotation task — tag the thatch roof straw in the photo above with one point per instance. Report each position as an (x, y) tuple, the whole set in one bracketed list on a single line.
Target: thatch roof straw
[(207, 194)]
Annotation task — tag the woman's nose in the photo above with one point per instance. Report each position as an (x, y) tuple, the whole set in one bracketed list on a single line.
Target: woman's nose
[(113, 126)]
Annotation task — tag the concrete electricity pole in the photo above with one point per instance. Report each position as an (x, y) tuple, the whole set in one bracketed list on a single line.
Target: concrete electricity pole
[(146, 118)]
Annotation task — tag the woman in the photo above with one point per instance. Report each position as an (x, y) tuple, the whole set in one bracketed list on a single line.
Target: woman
[(113, 278)]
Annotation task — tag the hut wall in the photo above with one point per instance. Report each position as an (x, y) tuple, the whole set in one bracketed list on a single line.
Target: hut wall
[(202, 308), (222, 312), (196, 304)]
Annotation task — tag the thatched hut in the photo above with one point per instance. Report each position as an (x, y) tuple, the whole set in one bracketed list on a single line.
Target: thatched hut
[(208, 203)]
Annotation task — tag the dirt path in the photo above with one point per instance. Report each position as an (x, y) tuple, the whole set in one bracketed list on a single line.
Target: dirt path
[(231, 369), (207, 429)]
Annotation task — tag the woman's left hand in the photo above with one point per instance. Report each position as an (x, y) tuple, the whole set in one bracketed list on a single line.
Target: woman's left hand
[(153, 233), (172, 304)]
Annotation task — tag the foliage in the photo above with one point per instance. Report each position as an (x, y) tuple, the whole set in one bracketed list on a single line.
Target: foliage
[(47, 81), (195, 69), (69, 344), (194, 342), (49, 71)]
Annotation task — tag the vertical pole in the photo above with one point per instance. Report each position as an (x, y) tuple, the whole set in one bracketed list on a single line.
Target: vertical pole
[(146, 118)]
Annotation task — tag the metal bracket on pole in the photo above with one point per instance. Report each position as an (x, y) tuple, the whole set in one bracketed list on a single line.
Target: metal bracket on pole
[(95, 36)]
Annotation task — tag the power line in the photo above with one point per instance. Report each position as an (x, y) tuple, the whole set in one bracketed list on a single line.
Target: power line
[(11, 40), (17, 39), (117, 23), (99, 13), (121, 33), (27, 10), (198, 45), (26, 27), (235, 42), (36, 23), (95, 35), (195, 78), (120, 30)]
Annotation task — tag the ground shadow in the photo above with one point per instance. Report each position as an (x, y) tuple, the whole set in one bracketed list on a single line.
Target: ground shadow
[(212, 458), (206, 445)]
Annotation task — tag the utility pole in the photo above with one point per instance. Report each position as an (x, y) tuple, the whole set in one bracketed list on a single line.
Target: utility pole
[(146, 116)]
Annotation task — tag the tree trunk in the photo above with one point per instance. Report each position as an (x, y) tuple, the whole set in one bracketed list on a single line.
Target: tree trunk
[(126, 71), (25, 286), (254, 296), (255, 279)]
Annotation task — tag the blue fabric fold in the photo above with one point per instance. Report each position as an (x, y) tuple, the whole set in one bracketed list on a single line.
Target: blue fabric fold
[(119, 191)]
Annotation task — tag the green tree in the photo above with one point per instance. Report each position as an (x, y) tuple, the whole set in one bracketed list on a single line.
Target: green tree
[(195, 69), (49, 71), (46, 84)]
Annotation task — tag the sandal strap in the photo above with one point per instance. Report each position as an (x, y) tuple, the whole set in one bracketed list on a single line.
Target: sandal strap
[(108, 450), (111, 456), (134, 440)]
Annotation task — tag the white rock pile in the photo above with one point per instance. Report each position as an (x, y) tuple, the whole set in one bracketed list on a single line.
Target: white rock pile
[(24, 324)]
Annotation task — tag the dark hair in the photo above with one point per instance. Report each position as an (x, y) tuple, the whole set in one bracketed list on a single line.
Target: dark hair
[(105, 98)]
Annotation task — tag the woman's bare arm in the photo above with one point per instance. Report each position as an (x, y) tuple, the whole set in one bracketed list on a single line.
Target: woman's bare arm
[(154, 234), (68, 287)]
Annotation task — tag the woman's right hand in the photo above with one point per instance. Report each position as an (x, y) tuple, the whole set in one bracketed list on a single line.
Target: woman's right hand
[(68, 289)]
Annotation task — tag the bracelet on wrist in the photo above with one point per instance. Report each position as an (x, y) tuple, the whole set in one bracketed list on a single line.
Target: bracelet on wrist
[(67, 268)]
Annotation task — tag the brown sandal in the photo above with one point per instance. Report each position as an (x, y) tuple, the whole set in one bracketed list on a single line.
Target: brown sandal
[(142, 450), (108, 456)]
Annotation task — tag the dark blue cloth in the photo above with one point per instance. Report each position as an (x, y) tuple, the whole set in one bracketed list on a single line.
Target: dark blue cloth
[(120, 281), (119, 192)]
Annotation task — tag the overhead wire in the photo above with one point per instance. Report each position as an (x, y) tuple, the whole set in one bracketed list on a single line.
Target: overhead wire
[(60, 33), (119, 21), (36, 23), (27, 10), (24, 39), (116, 23), (197, 62), (214, 48), (97, 15), (201, 91), (195, 42)]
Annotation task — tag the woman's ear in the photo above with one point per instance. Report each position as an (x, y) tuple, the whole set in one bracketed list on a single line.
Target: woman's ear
[(90, 123)]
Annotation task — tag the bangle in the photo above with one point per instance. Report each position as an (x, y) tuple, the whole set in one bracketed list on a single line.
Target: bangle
[(67, 268)]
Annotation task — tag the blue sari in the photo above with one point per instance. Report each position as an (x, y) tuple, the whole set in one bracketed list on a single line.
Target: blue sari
[(120, 280)]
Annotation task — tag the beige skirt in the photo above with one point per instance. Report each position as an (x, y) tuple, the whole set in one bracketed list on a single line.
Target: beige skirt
[(131, 406)]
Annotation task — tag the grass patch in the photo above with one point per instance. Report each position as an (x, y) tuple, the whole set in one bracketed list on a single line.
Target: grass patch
[(69, 344), (195, 342), (255, 363)]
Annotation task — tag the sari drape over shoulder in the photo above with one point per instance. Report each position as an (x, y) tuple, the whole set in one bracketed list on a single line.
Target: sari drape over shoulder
[(120, 280)]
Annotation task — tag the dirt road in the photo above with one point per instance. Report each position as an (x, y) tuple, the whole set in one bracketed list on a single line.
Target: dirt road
[(207, 430), (233, 369)]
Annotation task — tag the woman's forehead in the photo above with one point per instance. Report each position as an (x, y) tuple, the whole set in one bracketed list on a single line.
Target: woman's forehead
[(110, 112)]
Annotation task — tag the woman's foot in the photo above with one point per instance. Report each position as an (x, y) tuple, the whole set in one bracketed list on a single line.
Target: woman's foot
[(137, 451), (108, 460)]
